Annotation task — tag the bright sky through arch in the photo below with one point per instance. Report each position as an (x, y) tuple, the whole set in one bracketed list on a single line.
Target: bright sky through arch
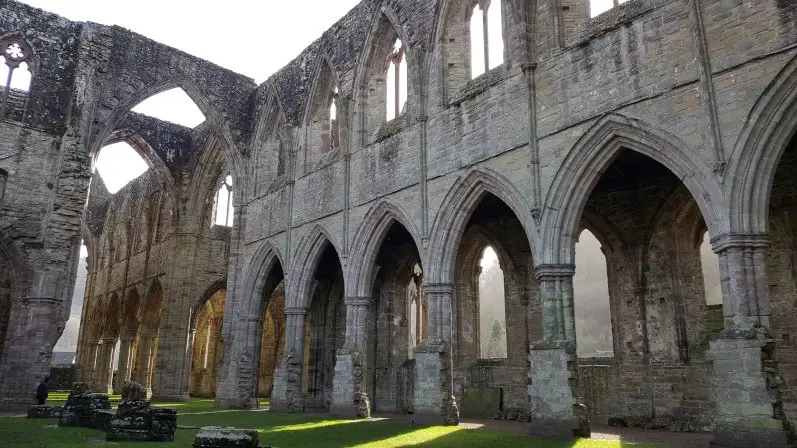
[(118, 164)]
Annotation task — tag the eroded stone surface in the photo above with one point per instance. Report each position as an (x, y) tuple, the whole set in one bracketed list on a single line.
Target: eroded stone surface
[(225, 437)]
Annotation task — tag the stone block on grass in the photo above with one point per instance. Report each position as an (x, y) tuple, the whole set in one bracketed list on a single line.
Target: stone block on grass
[(225, 437), (43, 411)]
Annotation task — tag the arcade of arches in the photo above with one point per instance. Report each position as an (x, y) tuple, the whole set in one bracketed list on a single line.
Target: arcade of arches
[(546, 211)]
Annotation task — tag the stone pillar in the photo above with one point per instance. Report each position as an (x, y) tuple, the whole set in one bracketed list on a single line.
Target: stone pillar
[(125, 363), (349, 397), (746, 382), (189, 357), (287, 395), (143, 365), (553, 382), (103, 372), (433, 399), (28, 352)]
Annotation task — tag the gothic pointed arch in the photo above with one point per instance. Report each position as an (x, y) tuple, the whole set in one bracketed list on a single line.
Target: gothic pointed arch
[(370, 79), (304, 262), (148, 153), (593, 153), (266, 258), (209, 291), (324, 117), (19, 270), (770, 126), (123, 105), (368, 241), (459, 203), (210, 171), (273, 146)]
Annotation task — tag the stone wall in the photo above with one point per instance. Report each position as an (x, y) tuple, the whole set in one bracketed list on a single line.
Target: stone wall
[(647, 125)]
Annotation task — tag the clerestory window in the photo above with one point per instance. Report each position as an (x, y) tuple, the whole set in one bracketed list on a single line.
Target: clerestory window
[(396, 81), (223, 209), (15, 72), (334, 135), (486, 37)]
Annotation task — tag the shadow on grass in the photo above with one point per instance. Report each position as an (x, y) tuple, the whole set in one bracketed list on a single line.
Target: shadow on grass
[(289, 430)]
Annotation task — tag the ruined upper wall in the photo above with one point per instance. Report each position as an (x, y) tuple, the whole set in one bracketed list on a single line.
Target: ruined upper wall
[(54, 41)]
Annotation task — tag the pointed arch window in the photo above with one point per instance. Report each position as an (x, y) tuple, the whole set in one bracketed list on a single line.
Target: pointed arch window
[(334, 134), (597, 7), (15, 73), (417, 310), (223, 209), (486, 37), (396, 81)]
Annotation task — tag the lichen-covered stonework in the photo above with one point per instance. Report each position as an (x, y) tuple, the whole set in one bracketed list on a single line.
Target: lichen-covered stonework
[(359, 238)]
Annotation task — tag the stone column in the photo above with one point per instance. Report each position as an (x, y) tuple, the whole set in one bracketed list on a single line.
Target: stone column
[(555, 409), (103, 372), (433, 399), (349, 397), (189, 357), (287, 395), (125, 364), (28, 352), (142, 369), (746, 383)]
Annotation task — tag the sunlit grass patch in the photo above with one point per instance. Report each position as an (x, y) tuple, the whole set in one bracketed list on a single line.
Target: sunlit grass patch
[(284, 431)]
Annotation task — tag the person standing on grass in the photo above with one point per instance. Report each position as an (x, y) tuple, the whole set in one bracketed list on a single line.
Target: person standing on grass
[(42, 391)]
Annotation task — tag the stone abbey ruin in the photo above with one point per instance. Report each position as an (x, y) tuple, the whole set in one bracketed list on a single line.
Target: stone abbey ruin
[(318, 238)]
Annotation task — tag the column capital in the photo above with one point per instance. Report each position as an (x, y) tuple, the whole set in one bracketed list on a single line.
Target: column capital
[(438, 288), (108, 341), (737, 240), (296, 311), (357, 301), (544, 271)]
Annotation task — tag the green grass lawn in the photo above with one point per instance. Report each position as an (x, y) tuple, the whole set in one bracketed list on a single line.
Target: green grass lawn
[(280, 430)]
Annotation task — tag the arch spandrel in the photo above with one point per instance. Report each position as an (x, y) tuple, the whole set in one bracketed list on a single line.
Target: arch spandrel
[(593, 153)]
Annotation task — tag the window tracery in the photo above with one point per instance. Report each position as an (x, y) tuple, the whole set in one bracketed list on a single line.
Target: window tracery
[(15, 70)]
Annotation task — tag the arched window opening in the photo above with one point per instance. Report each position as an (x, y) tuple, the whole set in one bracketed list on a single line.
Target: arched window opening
[(174, 106), (280, 157), (597, 7), (118, 165), (334, 134), (15, 74), (396, 81), (591, 299), (223, 209), (486, 34), (417, 310), (711, 272), (492, 307)]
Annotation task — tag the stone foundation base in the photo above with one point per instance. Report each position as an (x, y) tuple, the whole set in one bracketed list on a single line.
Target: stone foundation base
[(348, 400), (433, 402), (15, 404), (42, 411), (554, 410)]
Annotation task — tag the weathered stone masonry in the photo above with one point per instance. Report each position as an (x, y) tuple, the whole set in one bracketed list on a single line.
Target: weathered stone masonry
[(647, 125)]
